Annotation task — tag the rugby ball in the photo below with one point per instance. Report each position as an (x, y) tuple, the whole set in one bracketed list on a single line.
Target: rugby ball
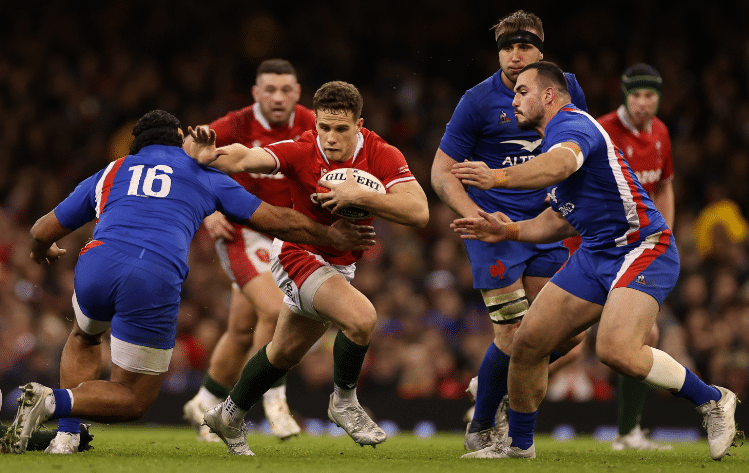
[(365, 180)]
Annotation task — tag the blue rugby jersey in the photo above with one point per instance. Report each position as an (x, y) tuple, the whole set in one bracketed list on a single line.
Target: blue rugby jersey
[(155, 200), (483, 128), (603, 199)]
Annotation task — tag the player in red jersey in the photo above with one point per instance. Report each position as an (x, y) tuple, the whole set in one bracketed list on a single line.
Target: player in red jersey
[(646, 144), (245, 253), (315, 278)]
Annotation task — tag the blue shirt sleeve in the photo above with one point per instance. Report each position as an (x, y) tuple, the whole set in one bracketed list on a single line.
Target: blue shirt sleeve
[(576, 92), (233, 200), (459, 139), (79, 207)]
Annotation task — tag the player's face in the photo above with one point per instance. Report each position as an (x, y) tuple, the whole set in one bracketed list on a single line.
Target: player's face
[(529, 109), (337, 132), (514, 57), (276, 94), (642, 105)]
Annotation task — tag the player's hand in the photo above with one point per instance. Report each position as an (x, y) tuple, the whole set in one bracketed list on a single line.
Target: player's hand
[(341, 195), (200, 144), (474, 173), (491, 228), (352, 237), (52, 254), (219, 227)]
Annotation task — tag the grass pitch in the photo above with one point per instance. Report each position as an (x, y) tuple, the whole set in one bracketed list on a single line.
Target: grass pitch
[(148, 449)]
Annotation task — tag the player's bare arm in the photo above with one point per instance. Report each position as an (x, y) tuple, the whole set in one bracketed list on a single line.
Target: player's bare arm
[(404, 203), (292, 226), (449, 188), (549, 226), (45, 232), (230, 159), (544, 170)]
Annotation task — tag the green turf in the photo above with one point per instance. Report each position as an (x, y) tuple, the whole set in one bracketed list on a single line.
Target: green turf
[(144, 449)]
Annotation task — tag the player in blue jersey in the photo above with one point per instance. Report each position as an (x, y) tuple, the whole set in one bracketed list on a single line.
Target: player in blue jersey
[(148, 206), (508, 274), (624, 269)]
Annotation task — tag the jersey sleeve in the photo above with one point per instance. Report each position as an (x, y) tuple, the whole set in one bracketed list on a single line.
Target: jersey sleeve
[(577, 131), (284, 151), (667, 173), (576, 92), (79, 207), (232, 199), (460, 135), (391, 166)]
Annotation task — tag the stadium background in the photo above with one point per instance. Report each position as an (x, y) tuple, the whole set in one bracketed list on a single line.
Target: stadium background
[(73, 80)]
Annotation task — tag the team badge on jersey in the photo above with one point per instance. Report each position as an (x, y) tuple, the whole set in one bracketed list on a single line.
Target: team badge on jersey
[(497, 270), (503, 118)]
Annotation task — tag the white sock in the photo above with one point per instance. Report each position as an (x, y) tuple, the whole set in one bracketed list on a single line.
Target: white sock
[(231, 413), (275, 393), (666, 373), (207, 398), (340, 394)]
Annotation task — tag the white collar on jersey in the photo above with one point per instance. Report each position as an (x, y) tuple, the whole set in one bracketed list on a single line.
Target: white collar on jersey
[(621, 112), (359, 146), (263, 122)]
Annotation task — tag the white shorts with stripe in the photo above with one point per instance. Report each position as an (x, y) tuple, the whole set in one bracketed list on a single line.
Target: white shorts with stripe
[(299, 274)]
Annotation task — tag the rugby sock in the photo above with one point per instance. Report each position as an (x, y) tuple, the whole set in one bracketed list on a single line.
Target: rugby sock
[(632, 394), (60, 403), (69, 424), (667, 373), (258, 375), (348, 358), (491, 389), (521, 427), (697, 391), (214, 387), (281, 382)]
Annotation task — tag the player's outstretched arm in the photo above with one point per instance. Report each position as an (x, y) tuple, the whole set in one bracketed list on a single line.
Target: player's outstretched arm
[(292, 226), (45, 232), (544, 170), (231, 159), (547, 227)]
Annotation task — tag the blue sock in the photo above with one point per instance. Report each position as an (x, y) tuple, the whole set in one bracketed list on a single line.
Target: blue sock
[(63, 404), (69, 424), (555, 355), (521, 427), (492, 387), (697, 391)]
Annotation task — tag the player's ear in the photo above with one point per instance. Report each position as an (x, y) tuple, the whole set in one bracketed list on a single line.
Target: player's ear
[(359, 124), (255, 93)]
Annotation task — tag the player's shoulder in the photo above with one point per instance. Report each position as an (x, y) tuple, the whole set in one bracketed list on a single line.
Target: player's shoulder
[(659, 126), (235, 116), (488, 87), (375, 143), (609, 119)]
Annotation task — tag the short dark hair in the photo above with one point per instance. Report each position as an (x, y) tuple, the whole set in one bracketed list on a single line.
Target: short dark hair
[(156, 127), (550, 74), (519, 20), (275, 66), (338, 96)]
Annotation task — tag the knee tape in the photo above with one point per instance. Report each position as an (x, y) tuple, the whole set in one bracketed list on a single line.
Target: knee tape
[(507, 308)]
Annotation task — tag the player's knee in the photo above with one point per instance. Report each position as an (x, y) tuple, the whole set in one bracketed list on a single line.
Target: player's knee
[(242, 336), (613, 356), (360, 328)]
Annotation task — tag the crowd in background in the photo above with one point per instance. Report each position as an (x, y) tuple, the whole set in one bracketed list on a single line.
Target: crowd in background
[(73, 82)]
